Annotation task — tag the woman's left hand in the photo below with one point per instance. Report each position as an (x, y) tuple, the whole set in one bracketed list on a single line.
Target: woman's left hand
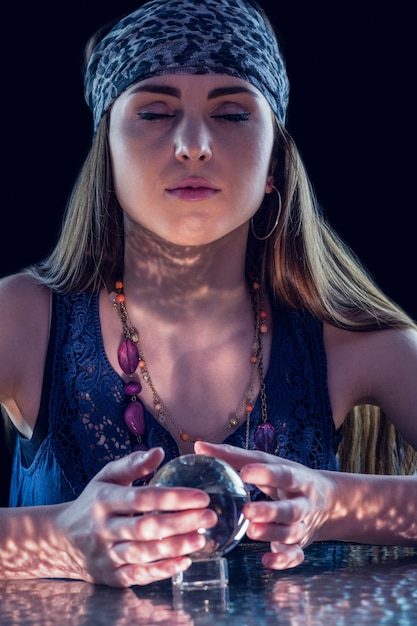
[(301, 501)]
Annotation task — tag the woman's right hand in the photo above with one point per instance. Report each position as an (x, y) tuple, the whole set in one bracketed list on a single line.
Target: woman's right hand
[(121, 535)]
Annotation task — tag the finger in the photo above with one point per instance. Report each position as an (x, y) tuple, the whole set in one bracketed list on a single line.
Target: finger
[(132, 467), (282, 533), (283, 557), (157, 526), (136, 552), (290, 511), (168, 524), (150, 499), (237, 457), (279, 476), (113, 501), (138, 574)]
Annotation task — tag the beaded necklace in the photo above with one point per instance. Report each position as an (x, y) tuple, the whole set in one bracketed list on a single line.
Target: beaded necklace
[(130, 357)]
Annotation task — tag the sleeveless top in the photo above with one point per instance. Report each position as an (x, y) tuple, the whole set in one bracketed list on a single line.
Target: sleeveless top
[(80, 426)]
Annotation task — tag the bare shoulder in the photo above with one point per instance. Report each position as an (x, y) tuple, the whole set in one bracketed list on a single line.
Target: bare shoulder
[(383, 348), (378, 367), (24, 332), (22, 298), (338, 338)]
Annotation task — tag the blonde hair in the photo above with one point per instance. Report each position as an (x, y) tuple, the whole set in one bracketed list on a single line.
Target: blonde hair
[(308, 266)]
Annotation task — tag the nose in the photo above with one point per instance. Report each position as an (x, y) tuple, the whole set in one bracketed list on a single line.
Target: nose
[(192, 141)]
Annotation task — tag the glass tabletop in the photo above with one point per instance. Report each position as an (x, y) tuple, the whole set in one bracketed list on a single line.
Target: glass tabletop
[(338, 584)]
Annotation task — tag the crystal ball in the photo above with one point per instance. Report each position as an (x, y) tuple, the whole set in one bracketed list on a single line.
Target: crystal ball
[(228, 495)]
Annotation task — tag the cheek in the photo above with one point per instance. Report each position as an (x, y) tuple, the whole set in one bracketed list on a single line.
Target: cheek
[(121, 149), (126, 168), (121, 177), (127, 186), (255, 167)]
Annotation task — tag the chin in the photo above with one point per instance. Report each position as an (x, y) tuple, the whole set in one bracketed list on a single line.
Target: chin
[(193, 236), (191, 242)]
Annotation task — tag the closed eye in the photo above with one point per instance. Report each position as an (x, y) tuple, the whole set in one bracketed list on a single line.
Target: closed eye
[(233, 117), (148, 116)]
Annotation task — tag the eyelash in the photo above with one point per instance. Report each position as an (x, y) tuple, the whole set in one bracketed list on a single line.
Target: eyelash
[(150, 117), (236, 118)]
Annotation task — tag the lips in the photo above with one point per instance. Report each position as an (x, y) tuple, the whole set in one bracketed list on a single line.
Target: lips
[(193, 188), (193, 182)]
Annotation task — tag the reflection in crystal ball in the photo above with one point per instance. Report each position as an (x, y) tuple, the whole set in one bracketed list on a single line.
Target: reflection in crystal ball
[(228, 495)]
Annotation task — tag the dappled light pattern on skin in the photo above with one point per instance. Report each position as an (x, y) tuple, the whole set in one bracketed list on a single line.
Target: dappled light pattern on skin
[(36, 558), (285, 549), (97, 537), (390, 521)]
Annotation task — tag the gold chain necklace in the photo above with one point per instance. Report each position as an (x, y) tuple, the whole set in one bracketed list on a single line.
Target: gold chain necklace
[(131, 357)]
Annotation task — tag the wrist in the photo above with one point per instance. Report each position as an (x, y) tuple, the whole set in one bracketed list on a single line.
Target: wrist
[(33, 545), (332, 507)]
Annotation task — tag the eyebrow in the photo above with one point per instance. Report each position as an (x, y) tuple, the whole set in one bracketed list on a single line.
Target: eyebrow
[(228, 91), (167, 90)]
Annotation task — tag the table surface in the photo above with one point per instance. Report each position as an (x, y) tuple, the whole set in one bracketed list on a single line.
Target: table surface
[(338, 584)]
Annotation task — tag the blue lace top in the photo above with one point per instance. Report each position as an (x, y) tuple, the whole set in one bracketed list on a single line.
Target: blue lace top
[(80, 426)]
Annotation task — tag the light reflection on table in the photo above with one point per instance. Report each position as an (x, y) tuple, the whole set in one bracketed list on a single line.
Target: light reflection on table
[(338, 585)]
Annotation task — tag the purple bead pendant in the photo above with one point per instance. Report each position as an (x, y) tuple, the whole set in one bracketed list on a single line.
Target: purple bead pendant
[(265, 438), (135, 419), (128, 356)]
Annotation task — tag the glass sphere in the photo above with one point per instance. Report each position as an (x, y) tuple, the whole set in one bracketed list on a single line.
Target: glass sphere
[(228, 495)]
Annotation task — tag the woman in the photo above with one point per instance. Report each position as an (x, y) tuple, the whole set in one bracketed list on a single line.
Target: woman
[(197, 300)]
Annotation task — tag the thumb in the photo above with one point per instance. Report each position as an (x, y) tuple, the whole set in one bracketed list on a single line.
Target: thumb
[(132, 467)]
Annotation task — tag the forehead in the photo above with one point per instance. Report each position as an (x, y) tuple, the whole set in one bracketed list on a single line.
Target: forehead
[(206, 85)]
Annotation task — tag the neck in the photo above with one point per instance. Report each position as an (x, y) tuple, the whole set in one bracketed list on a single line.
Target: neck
[(180, 281)]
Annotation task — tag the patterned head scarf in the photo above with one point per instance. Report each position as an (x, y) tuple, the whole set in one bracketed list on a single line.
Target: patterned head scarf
[(187, 37)]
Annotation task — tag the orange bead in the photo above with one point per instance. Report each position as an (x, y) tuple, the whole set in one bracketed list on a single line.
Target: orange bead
[(249, 408), (142, 364), (184, 436), (256, 286), (263, 329), (263, 314), (254, 359), (119, 284), (120, 298)]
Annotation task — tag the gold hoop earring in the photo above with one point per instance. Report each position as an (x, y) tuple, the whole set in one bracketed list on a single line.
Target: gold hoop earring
[(275, 223)]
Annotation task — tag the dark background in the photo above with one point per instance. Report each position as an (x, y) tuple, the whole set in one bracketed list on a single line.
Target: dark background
[(352, 68)]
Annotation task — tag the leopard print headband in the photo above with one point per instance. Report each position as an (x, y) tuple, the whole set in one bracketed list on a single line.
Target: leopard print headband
[(187, 37)]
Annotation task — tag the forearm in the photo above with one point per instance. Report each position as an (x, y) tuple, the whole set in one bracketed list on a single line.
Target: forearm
[(372, 509), (31, 545)]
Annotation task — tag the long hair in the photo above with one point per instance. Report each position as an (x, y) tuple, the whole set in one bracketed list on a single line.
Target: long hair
[(304, 264), (308, 266), (90, 246)]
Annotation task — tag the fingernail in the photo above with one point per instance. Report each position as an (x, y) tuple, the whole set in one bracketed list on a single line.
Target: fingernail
[(182, 564), (199, 540), (209, 517), (143, 455)]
